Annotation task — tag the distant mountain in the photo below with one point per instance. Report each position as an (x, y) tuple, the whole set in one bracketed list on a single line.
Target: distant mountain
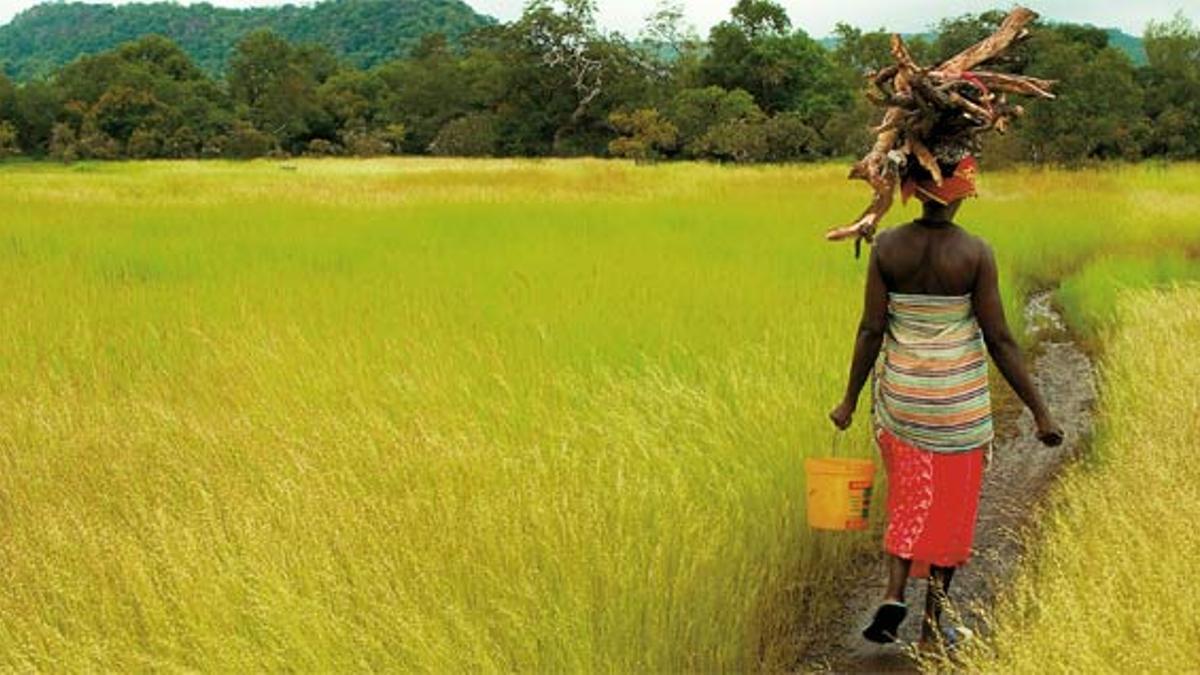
[(365, 32), (1130, 44)]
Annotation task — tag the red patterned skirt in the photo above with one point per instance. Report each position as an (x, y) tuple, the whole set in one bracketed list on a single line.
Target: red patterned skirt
[(932, 501)]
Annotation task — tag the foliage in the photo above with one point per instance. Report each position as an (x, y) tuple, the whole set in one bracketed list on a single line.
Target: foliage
[(695, 111), (644, 135), (1099, 110), (1173, 88), (8, 140), (757, 51), (550, 82), (472, 135), (364, 33), (244, 140), (276, 84), (63, 143), (364, 142)]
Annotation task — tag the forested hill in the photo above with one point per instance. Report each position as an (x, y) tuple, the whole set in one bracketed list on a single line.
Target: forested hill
[(44, 37)]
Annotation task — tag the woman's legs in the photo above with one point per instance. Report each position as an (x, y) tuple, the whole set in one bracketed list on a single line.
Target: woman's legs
[(897, 577), (936, 599), (885, 624)]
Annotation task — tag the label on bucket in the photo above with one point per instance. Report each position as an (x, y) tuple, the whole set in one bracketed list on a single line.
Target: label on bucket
[(860, 499)]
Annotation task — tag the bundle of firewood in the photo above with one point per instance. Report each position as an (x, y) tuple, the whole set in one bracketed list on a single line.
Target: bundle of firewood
[(936, 116)]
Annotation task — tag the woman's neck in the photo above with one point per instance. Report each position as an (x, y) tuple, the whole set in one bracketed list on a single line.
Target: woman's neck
[(939, 214), (939, 221)]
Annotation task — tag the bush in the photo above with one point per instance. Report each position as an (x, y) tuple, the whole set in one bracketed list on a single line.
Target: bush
[(144, 143), (96, 144), (741, 141), (789, 139), (214, 146), (366, 143), (646, 135), (847, 133), (182, 143), (696, 112), (64, 145), (472, 135), (8, 140), (1000, 151), (244, 141), (322, 147)]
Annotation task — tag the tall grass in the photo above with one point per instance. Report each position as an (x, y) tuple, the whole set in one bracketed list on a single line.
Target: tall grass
[(1109, 588), (1090, 297), (438, 415)]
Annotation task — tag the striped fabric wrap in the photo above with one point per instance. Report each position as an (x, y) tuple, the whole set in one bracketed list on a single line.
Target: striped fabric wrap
[(931, 380)]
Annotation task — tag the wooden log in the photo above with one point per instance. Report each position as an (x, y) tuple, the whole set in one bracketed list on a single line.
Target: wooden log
[(984, 115), (884, 75), (1017, 84), (903, 57), (1011, 30), (926, 159)]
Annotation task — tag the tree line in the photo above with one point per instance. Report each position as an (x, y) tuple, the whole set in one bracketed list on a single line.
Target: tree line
[(552, 83)]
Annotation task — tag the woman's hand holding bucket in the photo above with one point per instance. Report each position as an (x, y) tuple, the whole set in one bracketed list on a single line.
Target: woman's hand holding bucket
[(842, 415)]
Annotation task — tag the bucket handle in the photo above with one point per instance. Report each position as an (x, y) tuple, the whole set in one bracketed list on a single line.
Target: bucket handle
[(833, 444)]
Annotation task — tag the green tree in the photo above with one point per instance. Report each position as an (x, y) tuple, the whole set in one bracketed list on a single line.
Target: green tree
[(275, 85), (1098, 112), (782, 69), (1173, 87), (584, 71), (472, 135), (645, 135), (147, 84), (757, 18), (63, 143), (426, 91), (791, 139), (8, 140), (353, 99), (551, 78), (671, 46), (8, 98), (695, 111)]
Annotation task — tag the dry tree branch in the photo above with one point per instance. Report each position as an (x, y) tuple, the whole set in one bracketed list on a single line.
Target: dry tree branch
[(934, 113)]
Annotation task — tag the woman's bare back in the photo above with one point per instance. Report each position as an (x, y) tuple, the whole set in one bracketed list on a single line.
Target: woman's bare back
[(929, 259)]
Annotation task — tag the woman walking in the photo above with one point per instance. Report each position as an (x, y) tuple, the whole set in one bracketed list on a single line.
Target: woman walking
[(932, 305)]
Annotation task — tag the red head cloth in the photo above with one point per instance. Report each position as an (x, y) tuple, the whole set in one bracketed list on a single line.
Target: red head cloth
[(956, 186)]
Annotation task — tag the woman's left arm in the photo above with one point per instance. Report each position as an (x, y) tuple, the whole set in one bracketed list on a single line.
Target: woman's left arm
[(868, 342)]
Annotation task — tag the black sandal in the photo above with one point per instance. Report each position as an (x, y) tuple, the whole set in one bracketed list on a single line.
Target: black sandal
[(885, 624)]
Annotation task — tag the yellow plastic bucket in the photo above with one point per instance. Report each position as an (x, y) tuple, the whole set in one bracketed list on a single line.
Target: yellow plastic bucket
[(839, 493)]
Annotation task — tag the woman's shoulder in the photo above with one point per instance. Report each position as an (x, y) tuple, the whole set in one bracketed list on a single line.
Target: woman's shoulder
[(979, 244)]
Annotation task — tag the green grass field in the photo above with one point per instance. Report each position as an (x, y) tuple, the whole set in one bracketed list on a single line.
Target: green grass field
[(446, 415), (1110, 574)]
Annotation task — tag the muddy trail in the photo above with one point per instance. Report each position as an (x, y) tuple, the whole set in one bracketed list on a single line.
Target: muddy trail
[(1021, 471)]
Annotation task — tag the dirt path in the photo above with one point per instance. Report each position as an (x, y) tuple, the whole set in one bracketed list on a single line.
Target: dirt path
[(1021, 471)]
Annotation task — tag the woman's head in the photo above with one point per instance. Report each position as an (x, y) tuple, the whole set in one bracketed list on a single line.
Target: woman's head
[(958, 183)]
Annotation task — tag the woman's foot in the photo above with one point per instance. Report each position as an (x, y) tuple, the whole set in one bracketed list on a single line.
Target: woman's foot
[(885, 625), (948, 640)]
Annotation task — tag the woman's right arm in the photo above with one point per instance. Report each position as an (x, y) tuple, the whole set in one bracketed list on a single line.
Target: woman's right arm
[(1003, 347)]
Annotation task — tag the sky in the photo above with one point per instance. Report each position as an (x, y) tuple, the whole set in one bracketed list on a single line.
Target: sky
[(817, 17)]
